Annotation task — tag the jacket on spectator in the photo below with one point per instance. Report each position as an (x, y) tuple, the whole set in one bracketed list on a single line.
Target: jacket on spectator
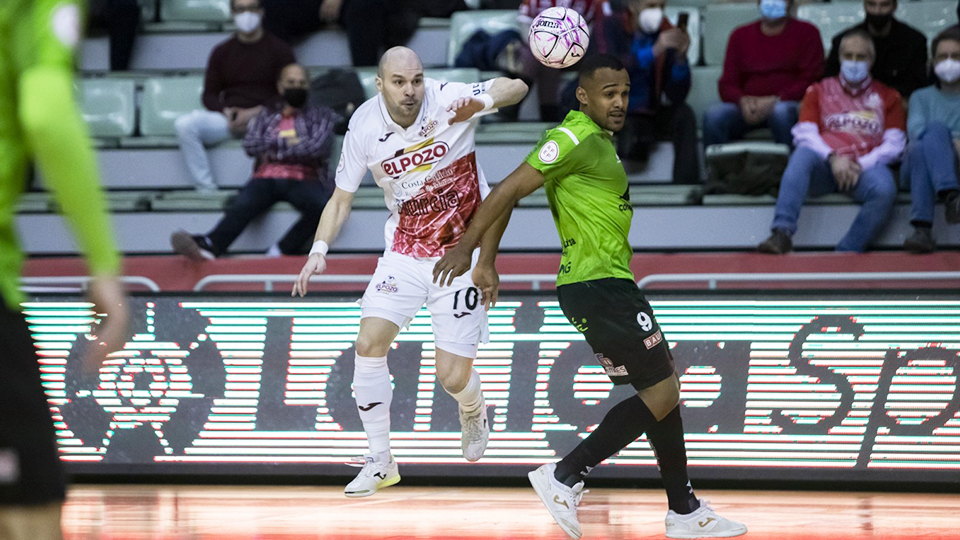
[(244, 74), (760, 65), (866, 124), (293, 147), (652, 78), (901, 61)]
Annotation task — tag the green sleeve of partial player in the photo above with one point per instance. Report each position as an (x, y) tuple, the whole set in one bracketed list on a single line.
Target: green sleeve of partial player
[(58, 138), (555, 155)]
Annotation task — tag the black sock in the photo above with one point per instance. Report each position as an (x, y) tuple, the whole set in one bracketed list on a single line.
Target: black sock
[(622, 425), (948, 194), (922, 224), (666, 438)]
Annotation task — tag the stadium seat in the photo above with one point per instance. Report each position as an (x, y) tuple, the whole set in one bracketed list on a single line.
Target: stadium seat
[(832, 18), (463, 24), (195, 10), (108, 106), (931, 17), (693, 28), (164, 100), (368, 77), (703, 91), (720, 20)]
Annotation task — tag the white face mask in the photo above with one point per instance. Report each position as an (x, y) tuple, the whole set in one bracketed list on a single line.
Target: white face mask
[(650, 20), (247, 22), (948, 70), (854, 72)]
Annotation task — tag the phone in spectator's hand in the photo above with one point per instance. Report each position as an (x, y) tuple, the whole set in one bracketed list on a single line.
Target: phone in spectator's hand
[(682, 20)]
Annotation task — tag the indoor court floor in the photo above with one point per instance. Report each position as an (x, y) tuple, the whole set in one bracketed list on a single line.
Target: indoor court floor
[(287, 513)]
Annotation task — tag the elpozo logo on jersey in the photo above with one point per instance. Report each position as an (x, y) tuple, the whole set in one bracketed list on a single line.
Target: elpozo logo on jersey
[(420, 157)]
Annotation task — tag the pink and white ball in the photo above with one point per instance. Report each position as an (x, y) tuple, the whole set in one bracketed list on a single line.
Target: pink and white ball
[(559, 37)]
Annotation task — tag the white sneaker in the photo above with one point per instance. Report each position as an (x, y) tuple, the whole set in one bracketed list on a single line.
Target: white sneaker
[(474, 433), (702, 523), (373, 476), (561, 501)]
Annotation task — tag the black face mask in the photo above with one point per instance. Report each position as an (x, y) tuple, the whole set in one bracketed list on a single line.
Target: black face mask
[(295, 97), (879, 21)]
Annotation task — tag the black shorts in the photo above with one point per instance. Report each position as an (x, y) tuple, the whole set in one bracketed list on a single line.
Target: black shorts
[(30, 469), (618, 323)]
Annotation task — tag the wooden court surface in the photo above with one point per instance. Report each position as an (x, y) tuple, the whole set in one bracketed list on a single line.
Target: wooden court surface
[(286, 513)]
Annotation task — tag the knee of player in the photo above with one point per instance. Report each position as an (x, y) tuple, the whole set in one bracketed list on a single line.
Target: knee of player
[(371, 345), (452, 378)]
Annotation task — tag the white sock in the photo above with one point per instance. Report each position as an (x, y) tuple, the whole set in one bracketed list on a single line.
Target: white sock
[(471, 396), (371, 384)]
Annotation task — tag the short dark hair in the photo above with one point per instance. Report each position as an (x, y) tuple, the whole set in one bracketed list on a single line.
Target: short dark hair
[(233, 5), (589, 65), (950, 34)]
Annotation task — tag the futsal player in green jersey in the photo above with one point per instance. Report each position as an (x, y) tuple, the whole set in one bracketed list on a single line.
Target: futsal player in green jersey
[(39, 121), (587, 189)]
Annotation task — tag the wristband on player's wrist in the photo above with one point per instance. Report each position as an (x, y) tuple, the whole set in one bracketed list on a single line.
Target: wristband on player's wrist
[(319, 247), (487, 100)]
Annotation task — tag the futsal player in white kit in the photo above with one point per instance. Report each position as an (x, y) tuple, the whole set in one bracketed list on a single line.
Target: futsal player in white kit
[(417, 139)]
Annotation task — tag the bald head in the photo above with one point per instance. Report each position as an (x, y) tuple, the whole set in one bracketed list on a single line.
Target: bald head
[(398, 59)]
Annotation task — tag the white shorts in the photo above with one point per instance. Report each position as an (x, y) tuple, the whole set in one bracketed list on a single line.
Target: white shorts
[(401, 285)]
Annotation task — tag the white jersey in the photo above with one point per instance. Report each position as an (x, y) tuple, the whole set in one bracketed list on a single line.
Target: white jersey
[(429, 174)]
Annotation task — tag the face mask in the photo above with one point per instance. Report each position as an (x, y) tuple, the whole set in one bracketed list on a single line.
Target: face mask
[(295, 97), (948, 70), (854, 72), (247, 22), (650, 20), (773, 9), (879, 21)]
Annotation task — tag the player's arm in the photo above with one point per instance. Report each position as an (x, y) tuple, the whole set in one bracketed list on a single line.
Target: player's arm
[(490, 219), (55, 131), (334, 215), (500, 92)]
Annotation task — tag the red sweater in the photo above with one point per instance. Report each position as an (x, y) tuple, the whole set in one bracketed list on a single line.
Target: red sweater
[(783, 65)]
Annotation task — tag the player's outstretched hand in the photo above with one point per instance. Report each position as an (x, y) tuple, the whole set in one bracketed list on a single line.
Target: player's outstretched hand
[(486, 278), (316, 264), (110, 307), (463, 109), (454, 263)]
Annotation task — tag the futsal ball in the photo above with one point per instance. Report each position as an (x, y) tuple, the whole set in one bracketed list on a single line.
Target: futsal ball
[(559, 37)]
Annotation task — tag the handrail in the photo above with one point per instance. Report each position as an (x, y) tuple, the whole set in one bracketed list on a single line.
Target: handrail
[(713, 279), (269, 279), (53, 283)]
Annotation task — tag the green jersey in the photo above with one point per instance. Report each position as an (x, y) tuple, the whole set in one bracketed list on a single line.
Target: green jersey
[(587, 189), (38, 119)]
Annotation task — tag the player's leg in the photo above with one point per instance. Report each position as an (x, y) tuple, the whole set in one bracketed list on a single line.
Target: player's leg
[(392, 299), (459, 325)]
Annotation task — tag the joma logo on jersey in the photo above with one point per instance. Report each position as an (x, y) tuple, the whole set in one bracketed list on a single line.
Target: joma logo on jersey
[(417, 157)]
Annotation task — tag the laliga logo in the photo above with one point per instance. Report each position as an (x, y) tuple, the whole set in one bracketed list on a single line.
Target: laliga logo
[(399, 165)]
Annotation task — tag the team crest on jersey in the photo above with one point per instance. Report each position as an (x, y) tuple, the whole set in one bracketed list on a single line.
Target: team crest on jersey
[(609, 368), (874, 101), (388, 286), (429, 128), (549, 152), (420, 157)]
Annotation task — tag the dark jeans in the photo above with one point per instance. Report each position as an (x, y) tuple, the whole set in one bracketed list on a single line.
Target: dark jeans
[(724, 122), (677, 123), (372, 26), (120, 18), (26, 428), (309, 197), (932, 162)]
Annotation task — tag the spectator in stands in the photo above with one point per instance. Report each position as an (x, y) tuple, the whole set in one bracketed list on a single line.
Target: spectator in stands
[(291, 142), (372, 26), (655, 55), (120, 18), (901, 49), (934, 129), (851, 129), (768, 66), (241, 76)]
